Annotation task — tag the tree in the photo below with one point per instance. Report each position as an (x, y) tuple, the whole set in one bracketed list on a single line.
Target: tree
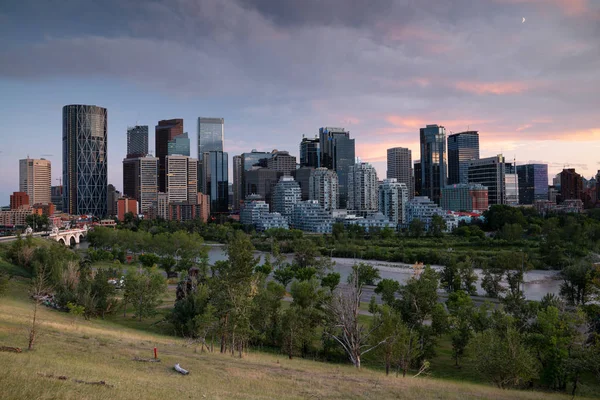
[(502, 357), (39, 288), (387, 329), (144, 290), (331, 280), (416, 228), (266, 313), (438, 226), (498, 215), (343, 313), (578, 283), (460, 321), (37, 222), (284, 274), (491, 281), (149, 260), (387, 289)]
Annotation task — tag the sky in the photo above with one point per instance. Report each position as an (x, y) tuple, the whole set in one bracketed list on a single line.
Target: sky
[(524, 73)]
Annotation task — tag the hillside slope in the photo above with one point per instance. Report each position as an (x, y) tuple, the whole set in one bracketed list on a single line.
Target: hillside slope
[(102, 351)]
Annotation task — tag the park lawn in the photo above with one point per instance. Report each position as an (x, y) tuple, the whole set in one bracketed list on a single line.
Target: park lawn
[(102, 350)]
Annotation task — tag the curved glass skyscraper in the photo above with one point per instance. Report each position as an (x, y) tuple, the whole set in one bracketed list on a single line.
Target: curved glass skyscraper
[(84, 160)]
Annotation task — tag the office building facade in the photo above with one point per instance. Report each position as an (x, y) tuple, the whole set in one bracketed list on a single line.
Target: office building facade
[(490, 172), (362, 189), (211, 135), (571, 185), (19, 201), (338, 154), (140, 181), (433, 161), (179, 145), (85, 160), (137, 141), (237, 182), (165, 131), (465, 197), (282, 161), (252, 210), (323, 187), (308, 216), (112, 195), (35, 179), (285, 195), (511, 184), (302, 176), (533, 182), (215, 170), (399, 167), (310, 152), (261, 181), (462, 147), (392, 198), (252, 160), (181, 179)]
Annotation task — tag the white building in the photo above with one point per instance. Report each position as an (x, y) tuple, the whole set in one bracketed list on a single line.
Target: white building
[(377, 220), (362, 189), (35, 179), (182, 179), (393, 197), (423, 209), (286, 193), (323, 187), (272, 220), (252, 211), (310, 217)]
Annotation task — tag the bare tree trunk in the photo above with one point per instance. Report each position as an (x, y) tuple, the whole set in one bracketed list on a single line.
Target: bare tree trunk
[(33, 330)]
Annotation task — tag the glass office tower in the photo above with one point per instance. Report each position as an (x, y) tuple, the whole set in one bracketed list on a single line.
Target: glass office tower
[(85, 160), (310, 152), (462, 147), (137, 141), (533, 182), (433, 161), (338, 154), (179, 145), (211, 133), (165, 131), (216, 175)]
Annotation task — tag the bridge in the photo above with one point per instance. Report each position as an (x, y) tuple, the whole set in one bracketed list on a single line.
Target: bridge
[(67, 237)]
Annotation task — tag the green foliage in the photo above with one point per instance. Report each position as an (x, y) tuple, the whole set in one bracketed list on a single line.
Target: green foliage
[(416, 228), (438, 226), (459, 276), (499, 215), (149, 260), (578, 286), (331, 280), (367, 274), (144, 291), (37, 222), (460, 322), (387, 289), (500, 355)]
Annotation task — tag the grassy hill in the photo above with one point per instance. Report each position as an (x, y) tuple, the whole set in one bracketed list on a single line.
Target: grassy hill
[(103, 351)]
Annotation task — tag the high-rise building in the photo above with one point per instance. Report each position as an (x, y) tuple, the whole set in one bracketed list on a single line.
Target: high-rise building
[(124, 206), (216, 175), (35, 179), (310, 152), (490, 172), (363, 189), (261, 181), (85, 160), (302, 176), (338, 154), (465, 197), (399, 167), (19, 200), (417, 178), (137, 141), (571, 185), (511, 184), (393, 196), (433, 161), (285, 194), (283, 162), (323, 187), (140, 181), (165, 131), (56, 196), (112, 195), (179, 145), (211, 134), (181, 179), (252, 210), (533, 182), (251, 160), (162, 208), (462, 147), (237, 182)]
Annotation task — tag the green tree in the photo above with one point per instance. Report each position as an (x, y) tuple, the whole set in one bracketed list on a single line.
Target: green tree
[(144, 291), (461, 314), (37, 222), (416, 228), (387, 289), (331, 280), (438, 226), (266, 313), (502, 357), (578, 283), (149, 260), (388, 331), (284, 274)]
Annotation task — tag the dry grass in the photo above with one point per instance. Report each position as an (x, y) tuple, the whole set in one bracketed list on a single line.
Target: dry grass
[(101, 350)]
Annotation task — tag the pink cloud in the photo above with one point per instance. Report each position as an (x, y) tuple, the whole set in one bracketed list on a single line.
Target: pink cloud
[(568, 7), (497, 88)]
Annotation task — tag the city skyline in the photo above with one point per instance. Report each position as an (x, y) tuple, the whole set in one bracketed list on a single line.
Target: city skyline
[(533, 96)]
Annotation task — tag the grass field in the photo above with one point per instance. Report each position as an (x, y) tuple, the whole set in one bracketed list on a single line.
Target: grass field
[(102, 350)]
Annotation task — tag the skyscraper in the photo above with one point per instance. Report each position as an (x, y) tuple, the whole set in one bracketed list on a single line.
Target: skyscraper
[(237, 182), (462, 147), (433, 161), (85, 160), (571, 185), (137, 141), (310, 152), (283, 162), (249, 160), (165, 131), (112, 195), (181, 179), (179, 145), (140, 181), (215, 176), (533, 182), (363, 189), (285, 195), (417, 176), (323, 187), (211, 134), (393, 197), (490, 172), (35, 180), (338, 154), (399, 167)]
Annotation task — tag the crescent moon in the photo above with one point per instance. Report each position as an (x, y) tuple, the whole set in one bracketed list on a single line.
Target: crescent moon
[(523, 20)]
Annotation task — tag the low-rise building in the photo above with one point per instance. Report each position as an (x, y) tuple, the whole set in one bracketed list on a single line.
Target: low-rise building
[(375, 221), (310, 217), (19, 200), (15, 217), (272, 221), (423, 209), (124, 206), (44, 209), (252, 210)]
